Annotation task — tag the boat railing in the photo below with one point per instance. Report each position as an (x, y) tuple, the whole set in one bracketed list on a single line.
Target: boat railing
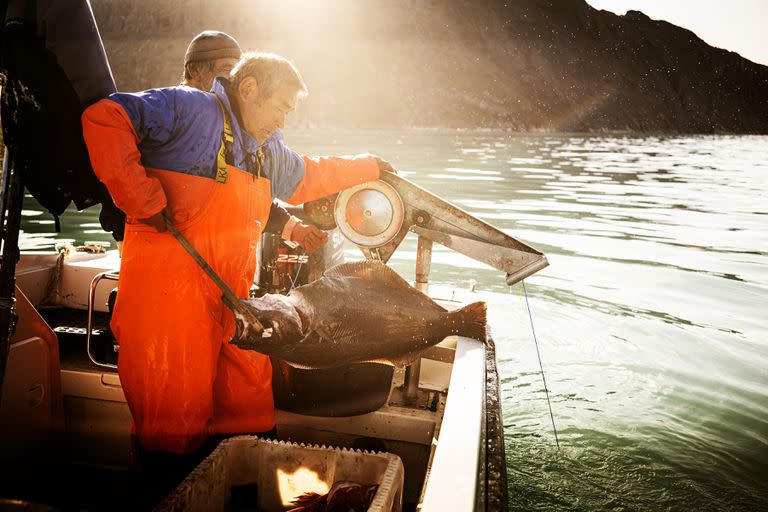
[(459, 446), (110, 275)]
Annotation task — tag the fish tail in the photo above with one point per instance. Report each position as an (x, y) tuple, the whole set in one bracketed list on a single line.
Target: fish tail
[(472, 321), (309, 502)]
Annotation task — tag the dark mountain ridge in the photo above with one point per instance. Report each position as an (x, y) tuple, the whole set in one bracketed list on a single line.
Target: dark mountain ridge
[(556, 65)]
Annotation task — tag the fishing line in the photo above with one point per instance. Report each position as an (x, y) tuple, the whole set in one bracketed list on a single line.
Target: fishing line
[(301, 262), (538, 355)]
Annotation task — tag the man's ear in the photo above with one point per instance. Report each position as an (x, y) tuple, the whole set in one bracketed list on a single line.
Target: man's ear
[(248, 88)]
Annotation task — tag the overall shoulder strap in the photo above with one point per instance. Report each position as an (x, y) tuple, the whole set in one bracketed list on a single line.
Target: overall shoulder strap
[(226, 155)]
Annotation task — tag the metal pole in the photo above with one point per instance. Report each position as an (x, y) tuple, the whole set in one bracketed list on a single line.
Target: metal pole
[(423, 265), (12, 197)]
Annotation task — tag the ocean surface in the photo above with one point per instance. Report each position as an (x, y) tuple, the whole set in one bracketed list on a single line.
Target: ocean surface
[(651, 319)]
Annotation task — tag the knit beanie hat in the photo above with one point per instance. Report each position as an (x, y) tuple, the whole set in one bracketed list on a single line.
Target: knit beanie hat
[(212, 45)]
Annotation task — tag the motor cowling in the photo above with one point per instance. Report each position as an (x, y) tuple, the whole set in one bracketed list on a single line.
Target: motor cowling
[(283, 266)]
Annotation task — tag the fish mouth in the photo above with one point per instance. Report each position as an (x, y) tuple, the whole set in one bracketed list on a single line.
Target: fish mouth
[(247, 336), (278, 318)]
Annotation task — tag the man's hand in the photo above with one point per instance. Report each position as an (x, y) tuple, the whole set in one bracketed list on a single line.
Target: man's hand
[(384, 166), (308, 236), (157, 221)]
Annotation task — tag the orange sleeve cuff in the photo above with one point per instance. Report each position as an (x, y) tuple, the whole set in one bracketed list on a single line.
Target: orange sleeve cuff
[(324, 176), (112, 146)]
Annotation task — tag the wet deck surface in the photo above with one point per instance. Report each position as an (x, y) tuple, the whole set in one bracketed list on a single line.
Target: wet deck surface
[(63, 486)]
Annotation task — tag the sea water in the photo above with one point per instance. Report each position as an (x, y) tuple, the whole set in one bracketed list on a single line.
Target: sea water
[(651, 319)]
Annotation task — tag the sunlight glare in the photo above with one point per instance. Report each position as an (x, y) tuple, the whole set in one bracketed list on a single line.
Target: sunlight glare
[(293, 485)]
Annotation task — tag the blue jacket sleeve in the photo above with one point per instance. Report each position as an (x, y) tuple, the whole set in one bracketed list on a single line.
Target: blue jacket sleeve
[(285, 169), (297, 179)]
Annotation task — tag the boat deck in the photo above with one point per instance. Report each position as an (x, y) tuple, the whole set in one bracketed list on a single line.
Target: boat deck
[(449, 436)]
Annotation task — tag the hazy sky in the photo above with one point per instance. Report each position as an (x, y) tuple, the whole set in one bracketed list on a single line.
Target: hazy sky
[(736, 25)]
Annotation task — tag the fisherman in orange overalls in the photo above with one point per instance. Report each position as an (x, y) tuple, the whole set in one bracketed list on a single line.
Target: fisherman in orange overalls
[(213, 164)]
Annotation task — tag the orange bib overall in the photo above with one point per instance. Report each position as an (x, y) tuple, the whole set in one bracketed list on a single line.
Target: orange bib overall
[(180, 375)]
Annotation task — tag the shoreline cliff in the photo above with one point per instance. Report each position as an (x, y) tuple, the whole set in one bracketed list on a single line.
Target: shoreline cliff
[(522, 65)]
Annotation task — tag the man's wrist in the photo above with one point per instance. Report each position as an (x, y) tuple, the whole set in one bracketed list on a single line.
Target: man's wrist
[(288, 228)]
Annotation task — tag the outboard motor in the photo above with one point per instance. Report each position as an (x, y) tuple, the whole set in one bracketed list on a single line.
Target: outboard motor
[(283, 265)]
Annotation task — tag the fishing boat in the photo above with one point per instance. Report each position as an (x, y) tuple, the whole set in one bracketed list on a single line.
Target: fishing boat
[(65, 427)]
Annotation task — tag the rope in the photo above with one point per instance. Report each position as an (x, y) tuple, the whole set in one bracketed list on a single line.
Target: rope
[(538, 355), (293, 281), (52, 288)]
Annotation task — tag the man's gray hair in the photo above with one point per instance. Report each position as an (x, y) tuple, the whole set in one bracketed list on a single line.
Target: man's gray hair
[(270, 71)]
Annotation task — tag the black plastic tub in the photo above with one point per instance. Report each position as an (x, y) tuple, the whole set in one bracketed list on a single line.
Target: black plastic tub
[(331, 392)]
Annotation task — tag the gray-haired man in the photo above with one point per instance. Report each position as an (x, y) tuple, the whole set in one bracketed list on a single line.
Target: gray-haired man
[(213, 53)]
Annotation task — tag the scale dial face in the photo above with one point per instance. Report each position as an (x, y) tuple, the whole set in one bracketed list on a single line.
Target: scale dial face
[(370, 214)]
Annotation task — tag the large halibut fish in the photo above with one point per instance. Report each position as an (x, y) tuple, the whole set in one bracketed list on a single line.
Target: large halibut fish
[(357, 312)]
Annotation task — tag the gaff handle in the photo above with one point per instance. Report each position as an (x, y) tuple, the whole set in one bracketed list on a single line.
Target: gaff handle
[(230, 299)]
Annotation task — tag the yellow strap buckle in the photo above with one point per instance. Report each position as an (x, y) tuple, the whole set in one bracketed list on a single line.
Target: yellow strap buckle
[(260, 157), (221, 165)]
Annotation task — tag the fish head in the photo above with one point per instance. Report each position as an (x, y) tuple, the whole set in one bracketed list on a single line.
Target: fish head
[(276, 314)]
